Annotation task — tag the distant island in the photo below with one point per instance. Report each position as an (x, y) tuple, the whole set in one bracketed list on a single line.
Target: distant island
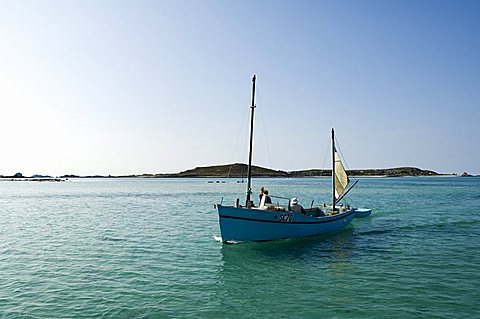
[(33, 178), (239, 170)]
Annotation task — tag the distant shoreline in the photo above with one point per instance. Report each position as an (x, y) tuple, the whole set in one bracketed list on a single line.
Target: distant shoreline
[(239, 170), (211, 179), (8, 179)]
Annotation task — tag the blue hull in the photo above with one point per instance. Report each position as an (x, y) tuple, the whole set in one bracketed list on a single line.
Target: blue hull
[(242, 224)]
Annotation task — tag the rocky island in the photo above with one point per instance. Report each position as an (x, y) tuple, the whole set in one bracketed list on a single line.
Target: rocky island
[(18, 177), (239, 170)]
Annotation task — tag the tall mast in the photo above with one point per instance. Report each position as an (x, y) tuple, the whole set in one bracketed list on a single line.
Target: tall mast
[(249, 188), (333, 170)]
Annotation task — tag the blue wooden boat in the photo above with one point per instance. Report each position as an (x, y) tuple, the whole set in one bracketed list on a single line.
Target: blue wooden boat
[(274, 221), (255, 224)]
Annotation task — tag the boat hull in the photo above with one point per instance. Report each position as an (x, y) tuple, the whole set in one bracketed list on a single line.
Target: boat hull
[(242, 224), (362, 212)]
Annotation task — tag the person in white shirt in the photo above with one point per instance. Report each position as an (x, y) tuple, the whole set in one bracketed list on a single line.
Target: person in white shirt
[(295, 207)]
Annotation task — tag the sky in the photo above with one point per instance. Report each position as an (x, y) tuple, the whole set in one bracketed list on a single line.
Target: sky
[(132, 87)]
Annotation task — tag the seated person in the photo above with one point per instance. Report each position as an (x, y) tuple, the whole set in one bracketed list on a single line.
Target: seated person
[(295, 207), (268, 200)]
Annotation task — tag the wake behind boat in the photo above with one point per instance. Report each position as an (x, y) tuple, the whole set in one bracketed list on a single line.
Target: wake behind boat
[(274, 221)]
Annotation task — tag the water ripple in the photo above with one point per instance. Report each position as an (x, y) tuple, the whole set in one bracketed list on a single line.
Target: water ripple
[(150, 249)]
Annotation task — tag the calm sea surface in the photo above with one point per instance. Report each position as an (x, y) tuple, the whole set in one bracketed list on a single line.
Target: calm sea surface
[(149, 248)]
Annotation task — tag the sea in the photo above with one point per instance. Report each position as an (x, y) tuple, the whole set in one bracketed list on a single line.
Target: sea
[(151, 248)]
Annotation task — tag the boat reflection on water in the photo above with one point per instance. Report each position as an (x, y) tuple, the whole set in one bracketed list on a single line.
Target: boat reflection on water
[(321, 248), (264, 273)]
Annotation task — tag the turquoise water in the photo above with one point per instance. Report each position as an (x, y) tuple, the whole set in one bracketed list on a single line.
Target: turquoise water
[(148, 248)]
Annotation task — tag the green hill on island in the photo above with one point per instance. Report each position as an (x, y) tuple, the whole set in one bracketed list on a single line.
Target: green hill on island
[(240, 170), (228, 170)]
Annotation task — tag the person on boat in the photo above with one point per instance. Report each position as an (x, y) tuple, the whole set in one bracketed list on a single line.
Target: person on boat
[(295, 207), (262, 191), (268, 200)]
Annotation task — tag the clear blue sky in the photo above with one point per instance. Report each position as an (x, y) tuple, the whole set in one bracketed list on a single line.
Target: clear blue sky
[(130, 87)]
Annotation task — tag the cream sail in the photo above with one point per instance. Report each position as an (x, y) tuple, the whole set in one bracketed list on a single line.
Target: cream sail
[(341, 178)]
